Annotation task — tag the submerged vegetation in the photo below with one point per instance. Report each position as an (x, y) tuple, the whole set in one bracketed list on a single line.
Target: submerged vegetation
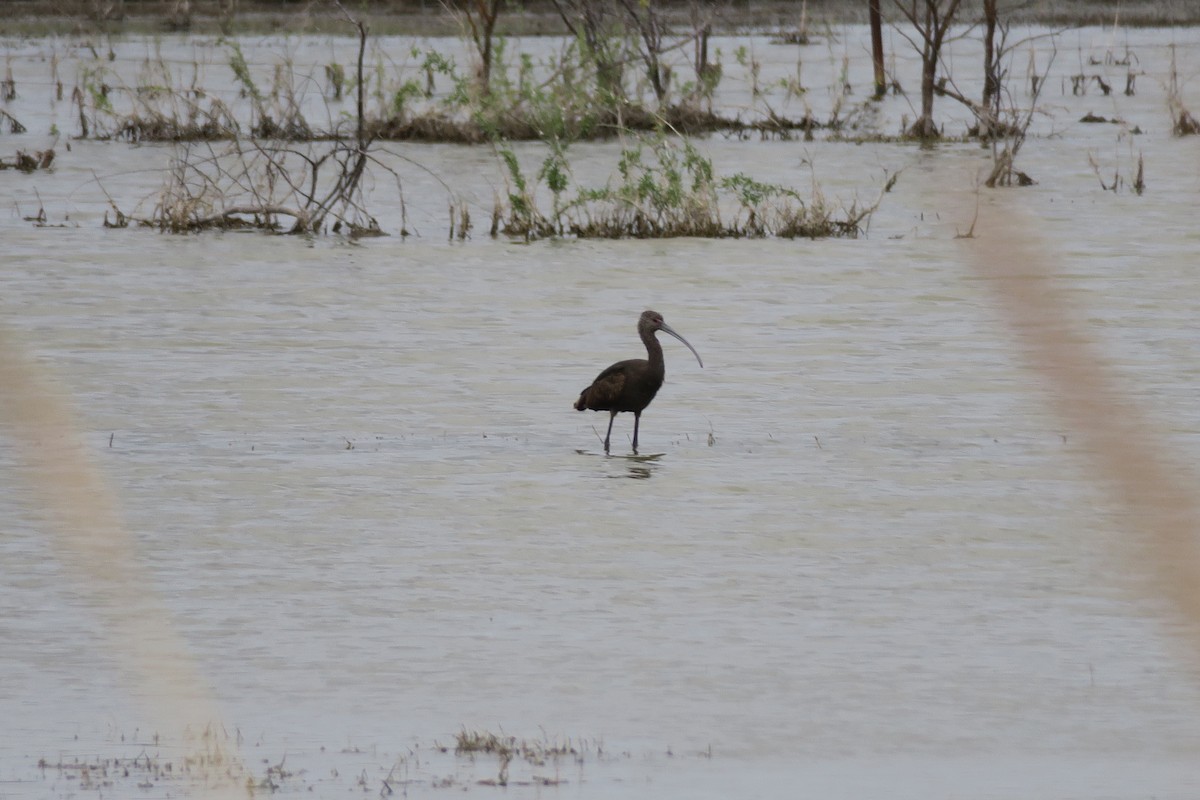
[(266, 180), (578, 94), (29, 162), (287, 155), (212, 757), (274, 169), (536, 754)]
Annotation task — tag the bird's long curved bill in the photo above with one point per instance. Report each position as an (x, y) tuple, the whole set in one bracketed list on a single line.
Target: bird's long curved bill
[(665, 328)]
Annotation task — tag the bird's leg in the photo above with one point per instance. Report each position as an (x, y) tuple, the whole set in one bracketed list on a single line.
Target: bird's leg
[(637, 417), (611, 416)]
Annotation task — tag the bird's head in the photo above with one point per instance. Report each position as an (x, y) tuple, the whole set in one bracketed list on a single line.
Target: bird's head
[(652, 321)]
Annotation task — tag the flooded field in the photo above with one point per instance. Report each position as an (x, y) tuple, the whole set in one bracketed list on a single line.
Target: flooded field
[(350, 527)]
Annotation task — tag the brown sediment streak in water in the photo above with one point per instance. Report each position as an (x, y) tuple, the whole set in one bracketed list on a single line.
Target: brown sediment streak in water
[(100, 553), (1124, 451)]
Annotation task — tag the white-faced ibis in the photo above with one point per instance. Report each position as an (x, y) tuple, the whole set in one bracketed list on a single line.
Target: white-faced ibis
[(631, 385)]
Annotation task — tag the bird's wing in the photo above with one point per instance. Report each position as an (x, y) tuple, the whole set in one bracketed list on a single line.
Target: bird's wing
[(607, 387)]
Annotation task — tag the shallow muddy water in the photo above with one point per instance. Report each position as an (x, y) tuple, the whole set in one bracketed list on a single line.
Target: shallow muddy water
[(869, 561)]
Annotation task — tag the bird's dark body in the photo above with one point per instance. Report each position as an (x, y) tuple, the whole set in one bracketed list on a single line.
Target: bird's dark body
[(625, 386), (631, 385)]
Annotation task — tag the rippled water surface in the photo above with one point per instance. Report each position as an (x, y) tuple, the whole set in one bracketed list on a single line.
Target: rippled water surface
[(867, 562)]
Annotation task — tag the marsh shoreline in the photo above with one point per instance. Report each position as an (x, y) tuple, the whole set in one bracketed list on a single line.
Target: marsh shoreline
[(428, 18)]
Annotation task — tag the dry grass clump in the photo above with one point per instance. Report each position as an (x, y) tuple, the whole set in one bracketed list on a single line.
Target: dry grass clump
[(159, 128), (275, 188), (814, 220), (535, 753), (1182, 122), (1137, 183), (469, 742), (26, 162), (153, 111), (159, 109), (268, 182), (14, 124), (100, 774), (1185, 123), (209, 760), (432, 127)]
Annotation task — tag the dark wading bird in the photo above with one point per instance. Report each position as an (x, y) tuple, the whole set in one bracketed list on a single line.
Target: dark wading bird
[(631, 385)]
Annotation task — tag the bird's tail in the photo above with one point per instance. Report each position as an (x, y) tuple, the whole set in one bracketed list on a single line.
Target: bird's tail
[(581, 403)]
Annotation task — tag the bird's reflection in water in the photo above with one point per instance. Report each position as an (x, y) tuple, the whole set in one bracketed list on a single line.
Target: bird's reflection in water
[(637, 467), (638, 471)]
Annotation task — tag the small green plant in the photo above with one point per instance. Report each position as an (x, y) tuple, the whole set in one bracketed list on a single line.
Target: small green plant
[(241, 70), (523, 219), (92, 92), (335, 77), (433, 63), (665, 187), (519, 105), (402, 96), (747, 60), (97, 89), (555, 173)]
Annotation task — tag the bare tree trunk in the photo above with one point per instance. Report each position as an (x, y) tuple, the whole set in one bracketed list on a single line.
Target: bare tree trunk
[(925, 127), (929, 63), (587, 21), (932, 26), (991, 67), (481, 16), (877, 49), (645, 18)]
